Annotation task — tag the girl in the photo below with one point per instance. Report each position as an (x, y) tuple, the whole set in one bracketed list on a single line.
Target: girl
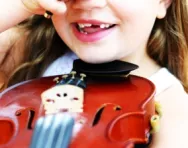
[(150, 33)]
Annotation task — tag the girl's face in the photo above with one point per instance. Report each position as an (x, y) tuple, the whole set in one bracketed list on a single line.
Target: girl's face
[(106, 30)]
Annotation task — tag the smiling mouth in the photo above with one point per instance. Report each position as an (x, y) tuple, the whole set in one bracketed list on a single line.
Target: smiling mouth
[(92, 28)]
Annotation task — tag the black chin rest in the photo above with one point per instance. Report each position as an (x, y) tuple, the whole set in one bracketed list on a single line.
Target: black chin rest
[(114, 68)]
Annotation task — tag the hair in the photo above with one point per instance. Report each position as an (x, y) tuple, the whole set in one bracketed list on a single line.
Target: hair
[(43, 46), (167, 45)]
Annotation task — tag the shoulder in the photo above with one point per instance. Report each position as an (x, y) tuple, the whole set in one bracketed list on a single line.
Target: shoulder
[(174, 99), (62, 65), (174, 121)]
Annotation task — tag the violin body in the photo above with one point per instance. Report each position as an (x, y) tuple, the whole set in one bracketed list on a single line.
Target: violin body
[(115, 113)]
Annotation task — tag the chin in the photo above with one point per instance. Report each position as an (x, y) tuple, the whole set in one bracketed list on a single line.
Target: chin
[(96, 55), (96, 59)]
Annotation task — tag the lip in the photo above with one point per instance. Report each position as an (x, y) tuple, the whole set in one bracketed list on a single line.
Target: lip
[(93, 37)]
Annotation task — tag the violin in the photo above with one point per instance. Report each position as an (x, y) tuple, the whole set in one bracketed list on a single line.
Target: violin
[(109, 107)]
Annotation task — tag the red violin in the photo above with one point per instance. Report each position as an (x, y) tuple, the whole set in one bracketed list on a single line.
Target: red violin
[(109, 109)]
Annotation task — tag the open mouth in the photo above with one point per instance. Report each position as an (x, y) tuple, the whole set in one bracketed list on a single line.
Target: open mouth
[(92, 31), (92, 28), (64, 110)]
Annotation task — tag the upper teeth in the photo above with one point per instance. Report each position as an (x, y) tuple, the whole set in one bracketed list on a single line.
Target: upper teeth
[(89, 25)]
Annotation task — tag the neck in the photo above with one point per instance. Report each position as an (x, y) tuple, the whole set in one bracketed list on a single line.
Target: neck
[(147, 66)]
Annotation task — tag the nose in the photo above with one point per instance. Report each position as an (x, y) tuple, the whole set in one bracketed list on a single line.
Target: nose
[(89, 4)]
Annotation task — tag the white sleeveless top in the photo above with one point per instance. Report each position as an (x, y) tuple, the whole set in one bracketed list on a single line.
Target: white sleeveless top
[(162, 79)]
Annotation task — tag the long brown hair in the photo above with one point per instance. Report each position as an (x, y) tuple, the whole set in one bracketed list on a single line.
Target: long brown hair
[(43, 46), (168, 45)]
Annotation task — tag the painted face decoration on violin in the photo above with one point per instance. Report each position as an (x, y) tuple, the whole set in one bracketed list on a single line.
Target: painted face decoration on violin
[(66, 96)]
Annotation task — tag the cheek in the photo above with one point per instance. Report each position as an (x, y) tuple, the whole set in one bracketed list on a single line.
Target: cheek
[(62, 26), (133, 9), (62, 22), (137, 16)]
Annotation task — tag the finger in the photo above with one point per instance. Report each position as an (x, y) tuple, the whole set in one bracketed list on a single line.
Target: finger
[(54, 6)]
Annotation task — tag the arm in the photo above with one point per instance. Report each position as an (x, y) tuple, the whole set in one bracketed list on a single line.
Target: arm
[(14, 11), (12, 38)]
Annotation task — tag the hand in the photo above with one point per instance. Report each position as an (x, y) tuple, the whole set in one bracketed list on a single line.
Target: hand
[(40, 6)]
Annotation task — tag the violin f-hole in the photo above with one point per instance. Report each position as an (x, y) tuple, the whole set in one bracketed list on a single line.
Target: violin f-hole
[(30, 119), (100, 111), (98, 116)]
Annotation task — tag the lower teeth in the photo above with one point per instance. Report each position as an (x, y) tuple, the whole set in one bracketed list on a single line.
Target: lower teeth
[(83, 32)]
